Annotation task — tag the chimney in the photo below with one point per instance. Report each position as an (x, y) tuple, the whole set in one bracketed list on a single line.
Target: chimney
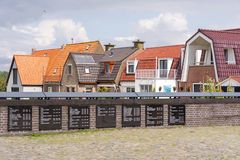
[(138, 44), (63, 46), (109, 46), (33, 50)]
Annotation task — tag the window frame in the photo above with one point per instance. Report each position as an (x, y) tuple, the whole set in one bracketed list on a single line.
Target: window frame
[(69, 70), (148, 88), (15, 75), (228, 55), (87, 70), (127, 68), (107, 68)]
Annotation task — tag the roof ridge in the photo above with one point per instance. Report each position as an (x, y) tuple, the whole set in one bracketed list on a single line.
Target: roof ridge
[(122, 48), (222, 31), (166, 46), (82, 42), (46, 49)]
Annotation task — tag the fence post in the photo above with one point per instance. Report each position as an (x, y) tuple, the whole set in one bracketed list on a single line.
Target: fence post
[(64, 117), (143, 115), (165, 115), (93, 117), (118, 116), (3, 119), (35, 118)]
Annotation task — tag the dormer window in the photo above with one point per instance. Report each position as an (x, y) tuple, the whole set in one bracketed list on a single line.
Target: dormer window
[(87, 70), (88, 46), (55, 71), (107, 68), (130, 67), (111, 53), (229, 56)]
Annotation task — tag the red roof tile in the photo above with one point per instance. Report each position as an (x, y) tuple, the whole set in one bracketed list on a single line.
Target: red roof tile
[(225, 39), (161, 52), (147, 59)]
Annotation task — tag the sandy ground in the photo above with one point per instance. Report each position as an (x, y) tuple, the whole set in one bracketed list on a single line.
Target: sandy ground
[(140, 143)]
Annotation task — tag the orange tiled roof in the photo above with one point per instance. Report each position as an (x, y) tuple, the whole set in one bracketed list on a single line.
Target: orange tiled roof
[(59, 56), (161, 52), (31, 69)]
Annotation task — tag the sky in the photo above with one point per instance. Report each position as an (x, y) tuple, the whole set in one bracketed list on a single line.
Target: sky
[(42, 24)]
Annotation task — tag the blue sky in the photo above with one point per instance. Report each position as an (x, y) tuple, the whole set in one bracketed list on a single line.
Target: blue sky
[(27, 24)]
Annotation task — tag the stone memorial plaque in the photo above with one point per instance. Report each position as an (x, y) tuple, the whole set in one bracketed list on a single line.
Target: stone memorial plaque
[(176, 115), (79, 117), (106, 116), (154, 115), (50, 118), (131, 116), (19, 118)]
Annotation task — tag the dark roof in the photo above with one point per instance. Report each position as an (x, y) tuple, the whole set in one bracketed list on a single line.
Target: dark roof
[(90, 61), (225, 39), (90, 77), (118, 54), (96, 57), (109, 76)]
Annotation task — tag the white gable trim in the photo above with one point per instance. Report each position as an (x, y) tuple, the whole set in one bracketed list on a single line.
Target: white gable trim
[(230, 81), (186, 60)]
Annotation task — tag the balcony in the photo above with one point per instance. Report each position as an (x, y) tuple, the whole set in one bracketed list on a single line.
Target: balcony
[(167, 74)]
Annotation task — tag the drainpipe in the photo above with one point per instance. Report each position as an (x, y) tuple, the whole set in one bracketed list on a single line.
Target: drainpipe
[(156, 70)]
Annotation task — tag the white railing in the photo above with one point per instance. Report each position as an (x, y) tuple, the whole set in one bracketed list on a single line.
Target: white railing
[(156, 74)]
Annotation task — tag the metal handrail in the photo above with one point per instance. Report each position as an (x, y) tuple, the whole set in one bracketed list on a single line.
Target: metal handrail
[(45, 95)]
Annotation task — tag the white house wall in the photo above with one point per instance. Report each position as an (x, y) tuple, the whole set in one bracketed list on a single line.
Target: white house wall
[(32, 89), (189, 54), (10, 81), (165, 83), (125, 85)]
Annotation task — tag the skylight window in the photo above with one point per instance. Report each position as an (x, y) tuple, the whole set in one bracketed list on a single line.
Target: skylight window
[(55, 71), (87, 70)]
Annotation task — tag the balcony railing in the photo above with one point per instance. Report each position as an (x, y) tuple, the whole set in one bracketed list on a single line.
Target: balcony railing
[(169, 74)]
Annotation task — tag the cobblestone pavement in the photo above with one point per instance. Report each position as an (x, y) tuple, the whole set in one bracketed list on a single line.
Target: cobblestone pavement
[(140, 143)]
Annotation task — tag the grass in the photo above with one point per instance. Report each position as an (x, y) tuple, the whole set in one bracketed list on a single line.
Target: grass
[(128, 143)]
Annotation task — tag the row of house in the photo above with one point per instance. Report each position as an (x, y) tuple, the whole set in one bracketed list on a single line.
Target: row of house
[(208, 56)]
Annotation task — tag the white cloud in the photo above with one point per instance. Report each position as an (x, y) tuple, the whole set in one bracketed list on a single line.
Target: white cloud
[(47, 32), (122, 39), (165, 21)]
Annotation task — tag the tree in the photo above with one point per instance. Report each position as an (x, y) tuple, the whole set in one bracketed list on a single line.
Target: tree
[(3, 78)]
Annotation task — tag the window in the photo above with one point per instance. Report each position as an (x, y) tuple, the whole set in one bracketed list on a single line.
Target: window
[(211, 58), (49, 89), (197, 87), (15, 76), (89, 89), (55, 71), (107, 68), (229, 56), (87, 70), (163, 68), (130, 67), (70, 89), (69, 69), (15, 89), (130, 89), (145, 88)]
